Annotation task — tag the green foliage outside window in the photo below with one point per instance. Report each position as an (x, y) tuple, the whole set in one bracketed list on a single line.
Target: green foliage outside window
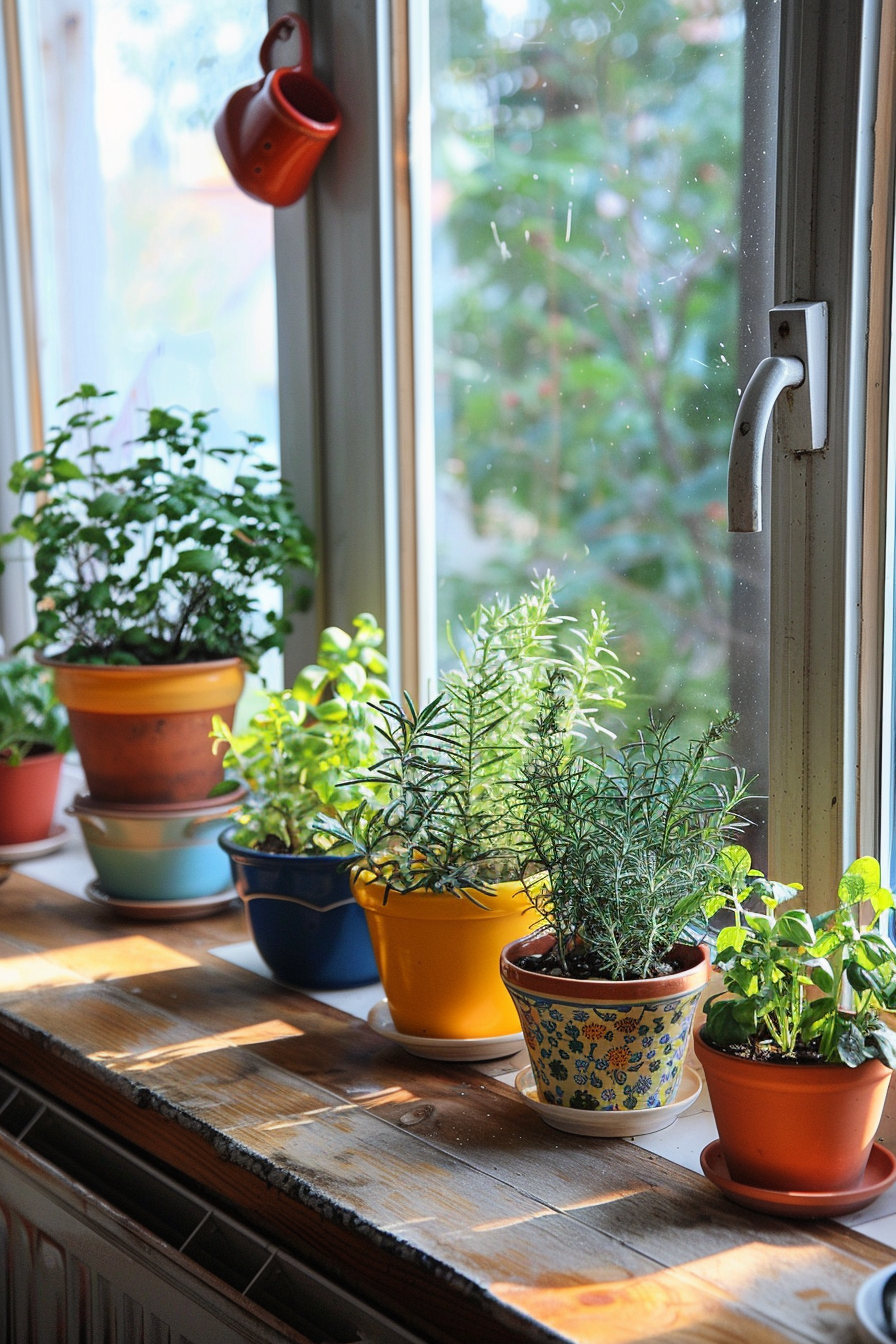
[(586, 166)]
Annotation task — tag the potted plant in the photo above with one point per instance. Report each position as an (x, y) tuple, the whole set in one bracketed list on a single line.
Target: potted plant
[(301, 756), (438, 863), (796, 1078), (34, 737), (148, 581), (630, 843)]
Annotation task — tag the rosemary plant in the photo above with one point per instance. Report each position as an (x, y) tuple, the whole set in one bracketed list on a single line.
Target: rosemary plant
[(449, 769), (630, 840)]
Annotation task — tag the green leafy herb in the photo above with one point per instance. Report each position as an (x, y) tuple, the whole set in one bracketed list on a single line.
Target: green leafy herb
[(630, 840), (30, 714), (450, 769), (306, 751), (787, 975), (155, 562)]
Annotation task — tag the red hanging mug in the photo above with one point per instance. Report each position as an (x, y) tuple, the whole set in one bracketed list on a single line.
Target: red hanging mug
[(273, 133)]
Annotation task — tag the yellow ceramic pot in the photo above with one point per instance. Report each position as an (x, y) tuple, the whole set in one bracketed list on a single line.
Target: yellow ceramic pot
[(439, 957)]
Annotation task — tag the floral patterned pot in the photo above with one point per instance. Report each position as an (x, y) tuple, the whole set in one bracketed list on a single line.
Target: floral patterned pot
[(605, 1045)]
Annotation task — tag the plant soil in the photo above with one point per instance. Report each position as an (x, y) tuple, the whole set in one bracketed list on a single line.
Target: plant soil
[(770, 1054), (585, 966), (272, 844)]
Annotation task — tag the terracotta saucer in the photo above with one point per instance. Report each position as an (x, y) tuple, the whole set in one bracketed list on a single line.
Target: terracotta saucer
[(880, 1173), (35, 849)]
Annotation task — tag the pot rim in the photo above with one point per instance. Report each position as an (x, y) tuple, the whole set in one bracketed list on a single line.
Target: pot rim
[(32, 759), (51, 661), (784, 1070), (264, 856), (565, 987), (85, 806), (508, 899)]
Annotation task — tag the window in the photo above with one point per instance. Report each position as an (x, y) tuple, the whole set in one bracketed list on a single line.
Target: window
[(377, 316)]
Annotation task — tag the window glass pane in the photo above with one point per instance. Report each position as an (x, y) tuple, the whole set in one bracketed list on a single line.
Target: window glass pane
[(155, 273), (585, 181)]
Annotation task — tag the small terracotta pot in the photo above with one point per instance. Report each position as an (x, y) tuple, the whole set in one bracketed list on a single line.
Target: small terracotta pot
[(799, 1127), (438, 957), (605, 1045), (143, 732), (28, 796)]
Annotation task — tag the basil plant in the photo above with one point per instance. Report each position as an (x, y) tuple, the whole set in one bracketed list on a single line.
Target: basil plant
[(799, 986)]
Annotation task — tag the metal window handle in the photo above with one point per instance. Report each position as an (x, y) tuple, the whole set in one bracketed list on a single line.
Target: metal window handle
[(798, 366)]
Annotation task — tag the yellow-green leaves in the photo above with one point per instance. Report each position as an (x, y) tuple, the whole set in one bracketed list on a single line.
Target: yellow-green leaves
[(307, 751)]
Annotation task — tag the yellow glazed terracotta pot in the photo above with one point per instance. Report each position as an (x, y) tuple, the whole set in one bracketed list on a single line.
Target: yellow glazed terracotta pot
[(438, 957), (143, 732), (606, 1045)]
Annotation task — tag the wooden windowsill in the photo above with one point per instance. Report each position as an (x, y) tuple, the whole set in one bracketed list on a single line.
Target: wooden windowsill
[(429, 1190)]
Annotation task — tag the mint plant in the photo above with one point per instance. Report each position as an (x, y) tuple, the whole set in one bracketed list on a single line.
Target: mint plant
[(153, 562), (449, 770), (304, 754), (788, 975), (30, 715)]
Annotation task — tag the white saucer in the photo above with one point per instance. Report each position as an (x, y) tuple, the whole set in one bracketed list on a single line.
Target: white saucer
[(379, 1019), (612, 1124), (195, 908), (35, 849), (870, 1308)]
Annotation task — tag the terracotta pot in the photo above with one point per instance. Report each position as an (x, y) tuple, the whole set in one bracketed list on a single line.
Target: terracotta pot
[(143, 732), (28, 796), (605, 1045), (438, 957), (799, 1127)]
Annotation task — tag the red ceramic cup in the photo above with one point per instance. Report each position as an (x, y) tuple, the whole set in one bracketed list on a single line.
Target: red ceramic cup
[(273, 134)]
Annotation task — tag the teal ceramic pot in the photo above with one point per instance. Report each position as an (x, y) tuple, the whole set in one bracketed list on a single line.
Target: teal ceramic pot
[(158, 852), (606, 1045), (307, 926)]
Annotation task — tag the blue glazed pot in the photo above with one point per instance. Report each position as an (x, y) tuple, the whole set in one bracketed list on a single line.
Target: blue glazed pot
[(158, 852), (305, 922)]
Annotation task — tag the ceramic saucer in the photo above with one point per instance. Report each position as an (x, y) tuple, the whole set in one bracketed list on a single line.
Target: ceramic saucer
[(196, 908), (612, 1124), (870, 1307), (880, 1173), (379, 1019), (35, 849)]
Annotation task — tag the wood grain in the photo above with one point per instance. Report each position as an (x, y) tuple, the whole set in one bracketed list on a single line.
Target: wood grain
[(428, 1189)]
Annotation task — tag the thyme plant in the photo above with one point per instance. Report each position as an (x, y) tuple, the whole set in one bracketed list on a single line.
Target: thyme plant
[(786, 973), (306, 752), (30, 714), (629, 839), (448, 770), (151, 562)]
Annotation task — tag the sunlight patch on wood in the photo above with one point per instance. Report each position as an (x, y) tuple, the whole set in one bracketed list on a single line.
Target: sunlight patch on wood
[(306, 1118), (89, 963), (608, 1197), (683, 1301), (127, 1062)]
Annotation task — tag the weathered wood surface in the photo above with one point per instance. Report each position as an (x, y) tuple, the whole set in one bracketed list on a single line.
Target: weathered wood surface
[(429, 1189)]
